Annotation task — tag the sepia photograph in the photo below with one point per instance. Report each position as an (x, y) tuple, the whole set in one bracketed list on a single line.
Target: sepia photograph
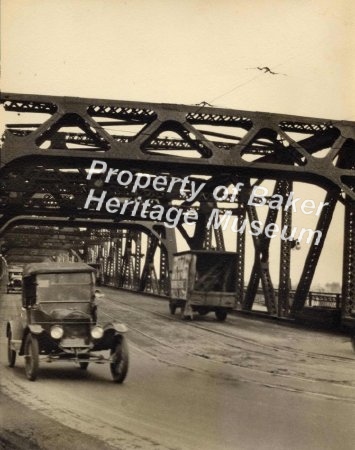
[(177, 225)]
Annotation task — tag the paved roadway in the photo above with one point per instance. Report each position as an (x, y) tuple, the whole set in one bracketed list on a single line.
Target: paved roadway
[(246, 384)]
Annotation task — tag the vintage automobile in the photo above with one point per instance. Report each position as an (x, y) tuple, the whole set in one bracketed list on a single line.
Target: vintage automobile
[(58, 321), (203, 281), (14, 284)]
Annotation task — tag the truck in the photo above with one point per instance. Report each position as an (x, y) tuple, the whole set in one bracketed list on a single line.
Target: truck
[(203, 281)]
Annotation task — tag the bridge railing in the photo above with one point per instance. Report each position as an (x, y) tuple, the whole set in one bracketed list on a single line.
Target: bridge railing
[(314, 299), (324, 300)]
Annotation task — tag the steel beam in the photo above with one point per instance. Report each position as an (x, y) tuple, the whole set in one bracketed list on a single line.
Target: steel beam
[(266, 135), (314, 252)]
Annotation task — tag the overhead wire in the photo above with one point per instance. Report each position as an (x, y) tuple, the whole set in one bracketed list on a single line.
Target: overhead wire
[(204, 104)]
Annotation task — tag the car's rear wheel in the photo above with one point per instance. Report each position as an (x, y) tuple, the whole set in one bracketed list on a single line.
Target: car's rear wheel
[(31, 357), (11, 354), (120, 361)]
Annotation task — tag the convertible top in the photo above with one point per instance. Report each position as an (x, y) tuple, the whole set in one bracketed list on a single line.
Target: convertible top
[(53, 267)]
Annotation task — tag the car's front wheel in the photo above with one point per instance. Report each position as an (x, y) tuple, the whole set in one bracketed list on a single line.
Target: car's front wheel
[(31, 357), (11, 354), (120, 360)]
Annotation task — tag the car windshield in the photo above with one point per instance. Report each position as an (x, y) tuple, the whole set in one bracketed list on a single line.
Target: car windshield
[(64, 287)]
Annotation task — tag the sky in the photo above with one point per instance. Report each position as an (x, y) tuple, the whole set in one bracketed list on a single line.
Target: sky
[(190, 51)]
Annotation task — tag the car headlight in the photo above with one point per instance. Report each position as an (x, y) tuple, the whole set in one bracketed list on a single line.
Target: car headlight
[(57, 332), (97, 332)]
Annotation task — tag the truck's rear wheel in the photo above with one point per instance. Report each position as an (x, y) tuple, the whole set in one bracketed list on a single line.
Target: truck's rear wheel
[(83, 365), (221, 315), (203, 311), (172, 308)]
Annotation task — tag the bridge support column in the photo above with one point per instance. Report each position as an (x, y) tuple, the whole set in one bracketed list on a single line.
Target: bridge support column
[(314, 252), (261, 262), (240, 263), (283, 303), (348, 290)]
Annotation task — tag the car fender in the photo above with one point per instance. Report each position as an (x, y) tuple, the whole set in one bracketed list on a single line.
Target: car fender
[(32, 329), (35, 328), (112, 332), (16, 330), (117, 327)]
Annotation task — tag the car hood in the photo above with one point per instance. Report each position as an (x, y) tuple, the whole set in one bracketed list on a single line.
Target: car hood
[(69, 315)]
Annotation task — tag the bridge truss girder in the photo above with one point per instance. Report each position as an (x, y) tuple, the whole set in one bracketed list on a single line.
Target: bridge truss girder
[(110, 247), (44, 163)]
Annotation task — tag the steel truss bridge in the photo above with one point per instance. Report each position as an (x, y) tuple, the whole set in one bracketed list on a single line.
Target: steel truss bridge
[(50, 142)]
